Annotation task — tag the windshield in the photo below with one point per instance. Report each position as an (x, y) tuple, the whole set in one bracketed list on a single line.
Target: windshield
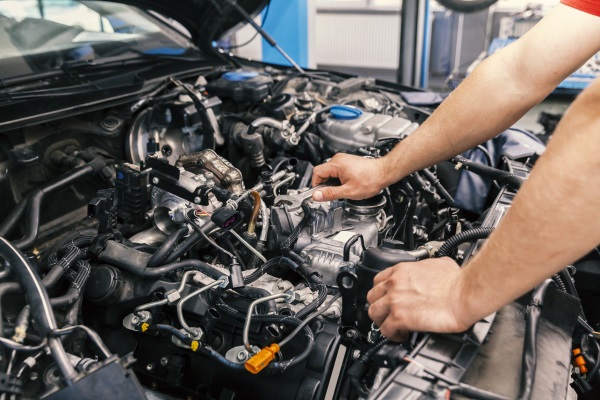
[(41, 35)]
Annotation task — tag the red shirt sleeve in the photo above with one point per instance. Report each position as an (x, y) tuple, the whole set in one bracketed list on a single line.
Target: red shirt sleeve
[(588, 6)]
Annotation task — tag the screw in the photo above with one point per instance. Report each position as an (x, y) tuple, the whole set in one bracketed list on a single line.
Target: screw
[(164, 361), (149, 367), (155, 180), (241, 355), (356, 354), (197, 200), (135, 320), (33, 376), (351, 334)]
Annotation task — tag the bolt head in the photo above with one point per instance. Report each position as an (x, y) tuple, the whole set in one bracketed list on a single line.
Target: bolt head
[(135, 320), (197, 200), (241, 355), (155, 180), (149, 367), (164, 361)]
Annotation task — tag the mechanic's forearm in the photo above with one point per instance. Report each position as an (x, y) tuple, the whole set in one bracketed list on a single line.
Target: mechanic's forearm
[(485, 104), (501, 90), (554, 219)]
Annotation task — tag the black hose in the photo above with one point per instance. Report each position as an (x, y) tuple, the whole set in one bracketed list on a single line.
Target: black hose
[(194, 238), (135, 262), (6, 288), (34, 202), (465, 236), (321, 297), (11, 221), (529, 361), (59, 267), (273, 262), (37, 298), (594, 370), (435, 182), (76, 287), (504, 177), (348, 245), (168, 245)]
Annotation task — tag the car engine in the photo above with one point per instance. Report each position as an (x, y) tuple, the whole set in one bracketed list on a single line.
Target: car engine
[(176, 237)]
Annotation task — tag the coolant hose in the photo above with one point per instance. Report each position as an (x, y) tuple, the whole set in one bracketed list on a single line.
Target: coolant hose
[(34, 203), (465, 236), (135, 262), (511, 180), (75, 288), (169, 244), (38, 300)]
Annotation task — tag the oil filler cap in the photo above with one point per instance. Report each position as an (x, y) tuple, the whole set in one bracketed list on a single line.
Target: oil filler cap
[(345, 112)]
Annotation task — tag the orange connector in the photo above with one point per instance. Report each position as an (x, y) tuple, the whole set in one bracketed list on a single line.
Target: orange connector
[(579, 361), (260, 360)]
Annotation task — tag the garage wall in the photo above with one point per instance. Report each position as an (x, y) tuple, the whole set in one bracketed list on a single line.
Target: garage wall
[(358, 39)]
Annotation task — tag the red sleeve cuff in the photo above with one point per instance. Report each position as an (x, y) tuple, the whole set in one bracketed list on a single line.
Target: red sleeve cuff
[(588, 6)]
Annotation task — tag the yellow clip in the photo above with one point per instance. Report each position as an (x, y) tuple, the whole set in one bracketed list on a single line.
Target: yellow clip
[(145, 326), (194, 345), (260, 360)]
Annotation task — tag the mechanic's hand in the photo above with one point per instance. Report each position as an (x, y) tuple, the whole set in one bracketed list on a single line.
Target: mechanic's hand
[(419, 296), (361, 177)]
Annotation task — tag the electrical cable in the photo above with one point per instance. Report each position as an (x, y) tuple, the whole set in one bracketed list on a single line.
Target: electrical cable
[(529, 361), (308, 320), (165, 248)]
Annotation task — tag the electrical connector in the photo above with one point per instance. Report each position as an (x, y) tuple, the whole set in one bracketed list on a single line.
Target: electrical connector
[(579, 361), (261, 360)]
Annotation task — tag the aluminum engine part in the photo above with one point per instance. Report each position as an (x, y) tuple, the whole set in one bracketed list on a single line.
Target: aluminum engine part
[(331, 225), (351, 134), (224, 172)]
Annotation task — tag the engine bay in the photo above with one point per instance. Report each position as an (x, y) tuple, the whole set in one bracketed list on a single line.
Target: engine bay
[(176, 237)]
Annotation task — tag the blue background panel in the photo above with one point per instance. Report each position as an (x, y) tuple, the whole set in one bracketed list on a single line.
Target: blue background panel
[(288, 24)]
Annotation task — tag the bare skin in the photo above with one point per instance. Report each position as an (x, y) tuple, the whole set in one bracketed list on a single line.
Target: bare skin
[(554, 218), (492, 99)]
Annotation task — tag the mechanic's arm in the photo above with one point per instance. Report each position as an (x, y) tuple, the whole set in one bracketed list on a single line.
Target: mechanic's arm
[(494, 97), (554, 220)]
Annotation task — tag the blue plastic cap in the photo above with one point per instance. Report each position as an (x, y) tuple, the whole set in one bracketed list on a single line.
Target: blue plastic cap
[(345, 112), (239, 76)]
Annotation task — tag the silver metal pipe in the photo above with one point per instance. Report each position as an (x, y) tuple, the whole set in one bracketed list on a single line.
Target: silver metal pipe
[(266, 121), (249, 316), (264, 215), (248, 245), (195, 293), (157, 303), (289, 179)]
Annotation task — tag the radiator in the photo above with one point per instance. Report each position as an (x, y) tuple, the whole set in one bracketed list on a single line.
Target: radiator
[(368, 40)]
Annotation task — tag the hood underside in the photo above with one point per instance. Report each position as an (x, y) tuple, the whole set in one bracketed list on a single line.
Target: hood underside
[(206, 20)]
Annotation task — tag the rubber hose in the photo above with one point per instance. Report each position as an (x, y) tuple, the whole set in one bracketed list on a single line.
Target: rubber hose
[(169, 244), (435, 182), (73, 253), (273, 262), (76, 287), (505, 177), (321, 297), (34, 201), (135, 262), (465, 236), (37, 298), (192, 240), (6, 288)]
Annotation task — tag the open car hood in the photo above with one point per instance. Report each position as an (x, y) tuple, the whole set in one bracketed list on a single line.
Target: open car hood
[(206, 20)]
